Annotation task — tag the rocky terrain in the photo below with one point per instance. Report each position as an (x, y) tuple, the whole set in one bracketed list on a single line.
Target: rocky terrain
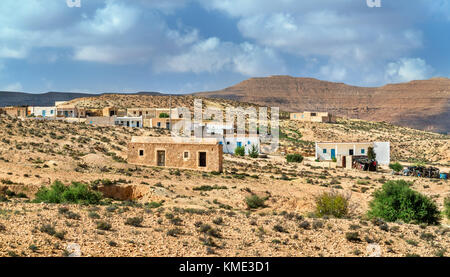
[(151, 211), (422, 105)]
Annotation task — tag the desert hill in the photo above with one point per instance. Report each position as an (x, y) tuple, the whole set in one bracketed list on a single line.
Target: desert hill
[(423, 104), (9, 98)]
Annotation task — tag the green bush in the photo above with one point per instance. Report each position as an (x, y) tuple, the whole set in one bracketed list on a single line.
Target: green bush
[(254, 201), (239, 151), (294, 158), (76, 193), (397, 167), (397, 201), (332, 204), (447, 207), (253, 153), (163, 115)]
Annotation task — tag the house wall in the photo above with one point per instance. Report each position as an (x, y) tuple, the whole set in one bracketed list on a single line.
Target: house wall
[(110, 111), (231, 142), (153, 122), (174, 153), (135, 122), (359, 149), (42, 111), (382, 150), (101, 120), (16, 111), (318, 117)]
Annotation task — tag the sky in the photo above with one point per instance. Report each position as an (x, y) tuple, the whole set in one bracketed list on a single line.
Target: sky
[(184, 46)]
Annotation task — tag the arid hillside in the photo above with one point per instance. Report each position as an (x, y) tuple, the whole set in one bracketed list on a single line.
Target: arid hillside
[(423, 104), (153, 211)]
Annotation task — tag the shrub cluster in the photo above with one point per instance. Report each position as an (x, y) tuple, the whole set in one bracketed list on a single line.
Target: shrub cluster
[(332, 204), (77, 193), (397, 167), (239, 151), (294, 158), (397, 201)]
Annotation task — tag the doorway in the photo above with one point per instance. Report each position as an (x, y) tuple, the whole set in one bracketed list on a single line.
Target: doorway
[(161, 157), (350, 152), (202, 159)]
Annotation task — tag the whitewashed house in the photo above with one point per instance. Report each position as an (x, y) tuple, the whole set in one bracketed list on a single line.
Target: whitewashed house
[(327, 151), (231, 142), (42, 111), (128, 121)]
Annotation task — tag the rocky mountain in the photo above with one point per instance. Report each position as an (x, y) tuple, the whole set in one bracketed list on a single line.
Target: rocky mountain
[(418, 104)]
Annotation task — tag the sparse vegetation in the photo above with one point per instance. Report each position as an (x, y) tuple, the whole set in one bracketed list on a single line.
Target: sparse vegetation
[(294, 158), (76, 193)]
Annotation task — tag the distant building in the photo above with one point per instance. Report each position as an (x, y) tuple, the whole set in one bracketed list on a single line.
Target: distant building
[(160, 122), (16, 111), (110, 111), (314, 117), (64, 109), (127, 121), (152, 112), (186, 153), (231, 142), (344, 151), (101, 120), (41, 111)]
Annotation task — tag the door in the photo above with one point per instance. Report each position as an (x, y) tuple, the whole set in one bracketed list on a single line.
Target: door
[(43, 113), (344, 162), (350, 152), (239, 144), (202, 159), (137, 124), (161, 156), (333, 153)]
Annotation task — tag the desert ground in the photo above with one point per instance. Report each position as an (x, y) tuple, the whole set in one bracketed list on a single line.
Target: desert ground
[(151, 211)]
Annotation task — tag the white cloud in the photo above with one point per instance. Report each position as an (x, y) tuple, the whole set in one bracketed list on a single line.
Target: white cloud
[(212, 55), (13, 87), (408, 69), (333, 72)]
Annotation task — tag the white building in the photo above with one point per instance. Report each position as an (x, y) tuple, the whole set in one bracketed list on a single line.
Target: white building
[(231, 142), (127, 121), (42, 111), (326, 151)]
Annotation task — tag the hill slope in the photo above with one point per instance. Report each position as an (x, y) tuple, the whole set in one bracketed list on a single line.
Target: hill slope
[(418, 104)]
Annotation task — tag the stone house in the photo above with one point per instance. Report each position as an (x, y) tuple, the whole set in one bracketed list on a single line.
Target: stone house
[(183, 153), (16, 111), (314, 117), (344, 152)]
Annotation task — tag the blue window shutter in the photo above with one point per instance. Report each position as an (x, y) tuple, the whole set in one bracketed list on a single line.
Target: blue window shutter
[(324, 151), (363, 151)]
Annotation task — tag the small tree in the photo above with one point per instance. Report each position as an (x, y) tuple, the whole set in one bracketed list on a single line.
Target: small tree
[(397, 167), (254, 152), (239, 151), (163, 115), (371, 154)]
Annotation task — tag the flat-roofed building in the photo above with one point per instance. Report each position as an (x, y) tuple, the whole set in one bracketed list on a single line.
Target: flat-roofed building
[(327, 151), (184, 153), (313, 117)]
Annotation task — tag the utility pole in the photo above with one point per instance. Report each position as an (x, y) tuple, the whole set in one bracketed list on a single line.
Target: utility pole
[(170, 113)]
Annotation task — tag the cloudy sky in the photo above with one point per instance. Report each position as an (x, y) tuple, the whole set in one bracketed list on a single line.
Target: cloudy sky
[(181, 46)]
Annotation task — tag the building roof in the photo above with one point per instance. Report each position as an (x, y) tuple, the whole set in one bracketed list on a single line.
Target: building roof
[(175, 140)]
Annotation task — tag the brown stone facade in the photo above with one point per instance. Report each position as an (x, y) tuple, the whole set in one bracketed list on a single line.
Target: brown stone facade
[(187, 153), (16, 111)]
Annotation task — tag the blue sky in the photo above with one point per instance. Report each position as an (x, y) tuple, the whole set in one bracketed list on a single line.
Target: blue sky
[(182, 46)]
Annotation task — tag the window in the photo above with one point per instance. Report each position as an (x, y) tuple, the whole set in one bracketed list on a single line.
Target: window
[(363, 151), (295, 116), (228, 143), (220, 143), (51, 111), (248, 142), (313, 114), (141, 152), (324, 151), (239, 144), (186, 155)]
